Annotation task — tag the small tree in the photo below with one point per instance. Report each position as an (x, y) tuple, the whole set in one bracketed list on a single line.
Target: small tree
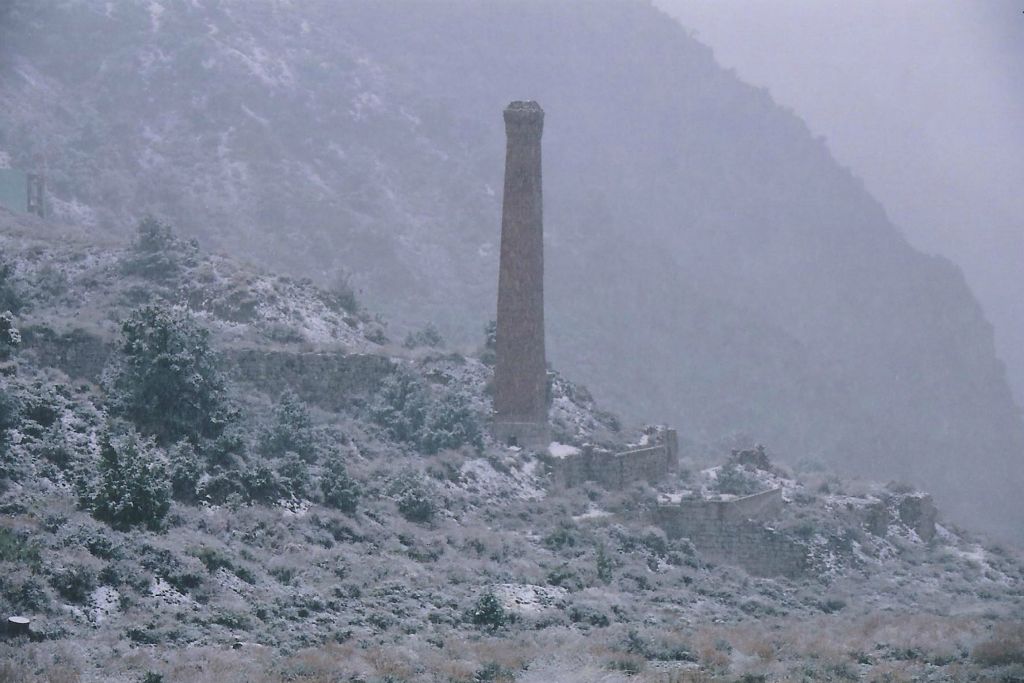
[(133, 485), (10, 297), (450, 423), (10, 412), (186, 471), (10, 336), (428, 336), (291, 430), (155, 251), (416, 500), (165, 378), (401, 406), (488, 612), (340, 491), (294, 474)]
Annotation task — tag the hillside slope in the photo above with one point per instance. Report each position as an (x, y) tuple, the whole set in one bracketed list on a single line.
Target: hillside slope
[(315, 538), (710, 265)]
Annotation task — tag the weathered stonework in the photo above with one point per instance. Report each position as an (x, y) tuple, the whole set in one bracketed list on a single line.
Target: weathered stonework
[(733, 532), (520, 373), (617, 470), (330, 380)]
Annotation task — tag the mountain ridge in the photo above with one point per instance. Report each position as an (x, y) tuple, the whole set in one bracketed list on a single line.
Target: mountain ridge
[(329, 139)]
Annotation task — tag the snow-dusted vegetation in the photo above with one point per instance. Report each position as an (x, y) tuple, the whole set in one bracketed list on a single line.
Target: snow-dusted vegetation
[(392, 540)]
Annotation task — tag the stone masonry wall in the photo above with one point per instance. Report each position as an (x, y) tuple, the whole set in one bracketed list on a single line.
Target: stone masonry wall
[(330, 380), (733, 532), (616, 471)]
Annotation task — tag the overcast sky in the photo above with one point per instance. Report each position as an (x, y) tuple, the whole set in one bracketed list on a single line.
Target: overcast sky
[(923, 99)]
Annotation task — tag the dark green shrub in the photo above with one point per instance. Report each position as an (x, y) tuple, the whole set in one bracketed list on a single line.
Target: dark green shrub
[(428, 336), (565, 577), (400, 407), (492, 672), (10, 412), (10, 336), (489, 613), (339, 490), (165, 377), (560, 538), (222, 487), (416, 501), (74, 583), (186, 471), (156, 253), (27, 594), (404, 407), (291, 429), (15, 547), (262, 485), (342, 295), (211, 558), (605, 565), (451, 423), (732, 479), (133, 486), (293, 473), (10, 298)]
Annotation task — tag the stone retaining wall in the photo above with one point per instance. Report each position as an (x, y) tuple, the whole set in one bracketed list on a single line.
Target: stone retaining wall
[(733, 532), (330, 380), (616, 471)]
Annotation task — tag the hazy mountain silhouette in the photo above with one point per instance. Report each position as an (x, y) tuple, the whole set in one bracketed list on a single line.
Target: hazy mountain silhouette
[(709, 264)]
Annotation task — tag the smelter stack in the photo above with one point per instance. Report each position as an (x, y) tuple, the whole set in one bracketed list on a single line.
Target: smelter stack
[(520, 373)]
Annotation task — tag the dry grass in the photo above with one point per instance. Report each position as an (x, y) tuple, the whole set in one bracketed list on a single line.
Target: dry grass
[(1004, 646)]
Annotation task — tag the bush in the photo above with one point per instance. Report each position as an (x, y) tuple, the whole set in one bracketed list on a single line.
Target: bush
[(732, 479), (291, 430), (74, 583), (165, 378), (1003, 647), (489, 613), (155, 252), (133, 484), (404, 407), (415, 499), (428, 336), (294, 475), (342, 296), (340, 491), (262, 485), (10, 336), (10, 412), (10, 298), (401, 406), (451, 423), (186, 472)]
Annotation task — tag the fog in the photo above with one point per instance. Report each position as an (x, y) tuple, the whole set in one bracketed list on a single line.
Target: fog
[(510, 341), (923, 100)]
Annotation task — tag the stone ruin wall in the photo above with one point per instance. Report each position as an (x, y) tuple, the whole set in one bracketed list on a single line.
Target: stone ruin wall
[(329, 380), (732, 532), (617, 471)]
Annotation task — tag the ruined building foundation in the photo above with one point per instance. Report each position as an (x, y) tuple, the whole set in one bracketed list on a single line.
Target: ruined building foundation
[(520, 373)]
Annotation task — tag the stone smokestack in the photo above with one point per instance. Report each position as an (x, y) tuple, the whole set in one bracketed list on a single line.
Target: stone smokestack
[(520, 373)]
